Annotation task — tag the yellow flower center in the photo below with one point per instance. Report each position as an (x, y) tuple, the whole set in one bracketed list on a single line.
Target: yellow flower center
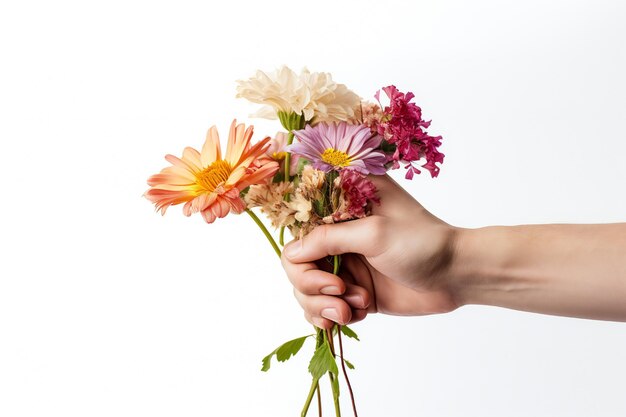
[(279, 156), (213, 176), (336, 158)]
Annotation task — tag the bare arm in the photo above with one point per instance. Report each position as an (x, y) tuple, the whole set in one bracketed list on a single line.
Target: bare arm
[(560, 269)]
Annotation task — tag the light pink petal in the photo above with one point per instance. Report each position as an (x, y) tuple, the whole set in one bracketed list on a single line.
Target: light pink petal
[(208, 216)]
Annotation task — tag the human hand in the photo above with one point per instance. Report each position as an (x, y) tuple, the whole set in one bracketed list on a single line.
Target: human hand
[(395, 261)]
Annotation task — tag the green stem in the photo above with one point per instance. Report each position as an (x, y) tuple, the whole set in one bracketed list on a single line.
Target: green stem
[(265, 231), (319, 401), (334, 384), (288, 158), (286, 179), (336, 264), (314, 388)]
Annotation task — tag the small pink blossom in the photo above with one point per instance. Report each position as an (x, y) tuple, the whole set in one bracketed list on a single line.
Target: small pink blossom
[(359, 193), (402, 126), (278, 151), (371, 115)]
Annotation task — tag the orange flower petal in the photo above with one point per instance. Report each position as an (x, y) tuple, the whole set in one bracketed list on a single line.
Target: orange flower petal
[(192, 157), (238, 142), (176, 161), (162, 199), (211, 151), (266, 171), (165, 178)]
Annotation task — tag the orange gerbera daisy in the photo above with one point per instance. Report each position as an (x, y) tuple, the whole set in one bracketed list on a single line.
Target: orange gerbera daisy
[(208, 184)]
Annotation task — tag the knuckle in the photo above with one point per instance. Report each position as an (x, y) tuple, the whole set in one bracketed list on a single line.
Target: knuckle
[(377, 227), (327, 240), (320, 234)]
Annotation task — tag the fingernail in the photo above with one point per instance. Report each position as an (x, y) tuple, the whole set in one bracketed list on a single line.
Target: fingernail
[(330, 314), (355, 300), (292, 249), (331, 290)]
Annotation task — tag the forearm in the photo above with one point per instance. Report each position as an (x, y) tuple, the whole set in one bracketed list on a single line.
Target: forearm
[(569, 270)]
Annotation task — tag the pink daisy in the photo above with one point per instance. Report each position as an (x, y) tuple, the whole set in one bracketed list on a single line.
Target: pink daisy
[(338, 146)]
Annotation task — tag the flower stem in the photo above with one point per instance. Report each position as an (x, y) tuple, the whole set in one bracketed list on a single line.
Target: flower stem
[(334, 384), (315, 385), (307, 403), (319, 400), (265, 231), (290, 137), (336, 264), (288, 158), (345, 373)]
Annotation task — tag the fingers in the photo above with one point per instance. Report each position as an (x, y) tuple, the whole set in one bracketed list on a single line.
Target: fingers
[(324, 311), (358, 236), (325, 306), (308, 279), (357, 297)]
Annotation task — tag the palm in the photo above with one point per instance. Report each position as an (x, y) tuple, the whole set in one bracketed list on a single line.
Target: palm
[(393, 296)]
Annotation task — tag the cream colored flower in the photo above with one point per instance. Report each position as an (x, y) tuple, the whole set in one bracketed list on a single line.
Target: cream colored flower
[(309, 189), (371, 114), (311, 94), (302, 207), (270, 198), (312, 179)]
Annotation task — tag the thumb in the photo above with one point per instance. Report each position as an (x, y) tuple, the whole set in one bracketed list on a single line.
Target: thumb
[(360, 236)]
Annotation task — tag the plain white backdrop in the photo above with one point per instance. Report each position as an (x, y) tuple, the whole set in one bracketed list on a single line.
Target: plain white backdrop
[(108, 309)]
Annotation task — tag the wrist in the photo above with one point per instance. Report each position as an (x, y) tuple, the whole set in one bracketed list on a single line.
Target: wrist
[(482, 265)]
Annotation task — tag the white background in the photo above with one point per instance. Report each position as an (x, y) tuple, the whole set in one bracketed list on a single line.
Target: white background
[(108, 309)]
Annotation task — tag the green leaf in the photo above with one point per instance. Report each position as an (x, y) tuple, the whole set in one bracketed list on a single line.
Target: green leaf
[(267, 362), (348, 364), (349, 332), (289, 349), (284, 352), (322, 362)]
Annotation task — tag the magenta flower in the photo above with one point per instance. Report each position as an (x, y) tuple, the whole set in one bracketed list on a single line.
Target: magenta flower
[(402, 126), (359, 192), (339, 146)]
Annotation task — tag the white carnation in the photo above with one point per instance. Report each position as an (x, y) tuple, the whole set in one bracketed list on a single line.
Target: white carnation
[(314, 95)]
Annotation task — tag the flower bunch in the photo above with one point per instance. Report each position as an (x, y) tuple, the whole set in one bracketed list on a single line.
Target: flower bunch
[(402, 127), (317, 172)]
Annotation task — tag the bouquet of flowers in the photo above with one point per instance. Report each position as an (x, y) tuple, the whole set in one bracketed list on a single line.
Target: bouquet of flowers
[(313, 173)]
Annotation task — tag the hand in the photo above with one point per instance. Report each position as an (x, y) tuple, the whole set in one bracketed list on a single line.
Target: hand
[(395, 261)]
